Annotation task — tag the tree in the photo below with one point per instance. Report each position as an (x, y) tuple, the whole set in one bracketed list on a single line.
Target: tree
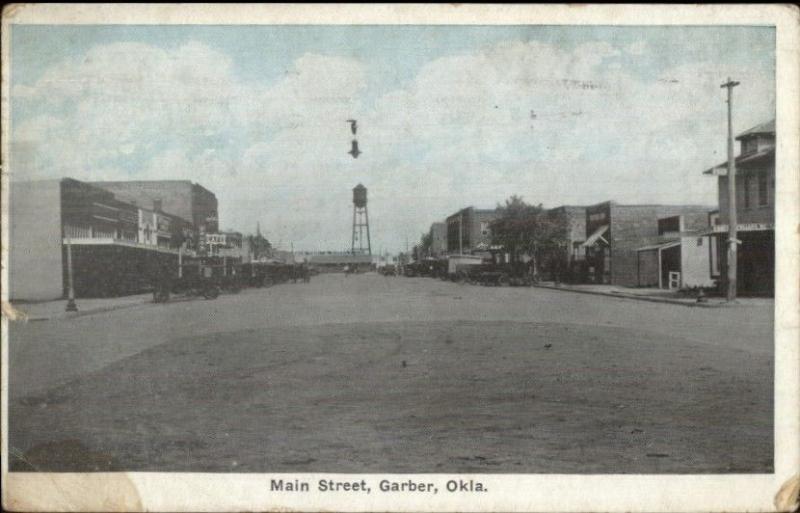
[(552, 244), (260, 246), (515, 226), (524, 229), (425, 244)]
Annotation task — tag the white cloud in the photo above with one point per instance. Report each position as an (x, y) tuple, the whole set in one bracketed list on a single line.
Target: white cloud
[(637, 48), (528, 118)]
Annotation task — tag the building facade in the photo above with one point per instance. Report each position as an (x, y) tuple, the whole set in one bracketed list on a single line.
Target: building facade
[(336, 261), (682, 256), (438, 234), (116, 246), (35, 235), (182, 198), (469, 230), (615, 233), (755, 212)]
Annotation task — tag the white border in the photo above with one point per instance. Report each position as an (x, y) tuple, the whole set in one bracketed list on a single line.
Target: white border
[(568, 493)]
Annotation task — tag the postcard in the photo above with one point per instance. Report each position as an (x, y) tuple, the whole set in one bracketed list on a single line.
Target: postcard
[(400, 258)]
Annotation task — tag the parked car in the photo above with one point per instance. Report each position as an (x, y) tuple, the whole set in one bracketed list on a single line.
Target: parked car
[(188, 285), (458, 266), (503, 274), (388, 270)]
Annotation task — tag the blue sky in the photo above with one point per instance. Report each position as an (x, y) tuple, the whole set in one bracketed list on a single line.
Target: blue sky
[(449, 115)]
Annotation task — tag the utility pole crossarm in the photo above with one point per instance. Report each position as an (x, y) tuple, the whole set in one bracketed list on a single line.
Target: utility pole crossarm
[(729, 84)]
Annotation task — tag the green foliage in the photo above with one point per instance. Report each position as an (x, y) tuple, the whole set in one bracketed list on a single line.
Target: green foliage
[(528, 229), (423, 248), (260, 246)]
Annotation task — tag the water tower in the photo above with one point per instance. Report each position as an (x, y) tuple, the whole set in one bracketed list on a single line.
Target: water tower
[(360, 222)]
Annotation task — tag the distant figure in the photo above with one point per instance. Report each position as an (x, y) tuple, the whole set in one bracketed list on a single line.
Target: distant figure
[(346, 270)]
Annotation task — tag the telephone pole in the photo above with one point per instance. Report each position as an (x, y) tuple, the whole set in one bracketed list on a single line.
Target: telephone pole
[(732, 221), (71, 306)]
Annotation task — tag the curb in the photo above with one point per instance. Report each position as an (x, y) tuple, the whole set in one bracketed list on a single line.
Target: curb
[(636, 297), (84, 313)]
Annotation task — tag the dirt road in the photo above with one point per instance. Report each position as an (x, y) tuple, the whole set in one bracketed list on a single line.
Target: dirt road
[(374, 374)]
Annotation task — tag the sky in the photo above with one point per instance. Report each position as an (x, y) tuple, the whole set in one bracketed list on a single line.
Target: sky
[(448, 116)]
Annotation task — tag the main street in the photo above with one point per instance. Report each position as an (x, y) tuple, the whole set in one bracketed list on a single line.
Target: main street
[(387, 374)]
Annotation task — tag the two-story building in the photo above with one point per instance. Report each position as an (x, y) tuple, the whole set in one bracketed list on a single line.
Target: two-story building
[(755, 211), (469, 230), (116, 245), (182, 198)]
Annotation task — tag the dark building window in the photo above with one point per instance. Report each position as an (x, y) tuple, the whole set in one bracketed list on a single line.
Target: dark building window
[(747, 181), (749, 145), (762, 188), (669, 224)]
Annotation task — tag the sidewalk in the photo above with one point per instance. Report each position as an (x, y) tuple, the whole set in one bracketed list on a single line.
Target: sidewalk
[(651, 294), (50, 310)]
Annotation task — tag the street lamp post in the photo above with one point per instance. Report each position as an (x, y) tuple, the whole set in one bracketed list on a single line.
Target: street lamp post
[(730, 293), (71, 306)]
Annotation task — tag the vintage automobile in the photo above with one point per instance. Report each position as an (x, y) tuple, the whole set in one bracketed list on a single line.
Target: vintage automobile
[(190, 284), (499, 274), (427, 267), (458, 267), (409, 270), (424, 267), (265, 274), (387, 270)]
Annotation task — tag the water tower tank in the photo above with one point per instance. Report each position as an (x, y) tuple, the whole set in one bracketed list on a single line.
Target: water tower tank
[(360, 196)]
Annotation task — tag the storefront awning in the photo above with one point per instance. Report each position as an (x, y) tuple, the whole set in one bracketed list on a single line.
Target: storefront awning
[(597, 235), (662, 245)]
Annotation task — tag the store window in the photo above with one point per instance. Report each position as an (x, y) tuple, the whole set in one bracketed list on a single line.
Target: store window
[(747, 181), (763, 195), (749, 145)]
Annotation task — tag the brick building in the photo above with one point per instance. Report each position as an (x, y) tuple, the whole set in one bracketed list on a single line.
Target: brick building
[(469, 230), (111, 255), (755, 211), (189, 201), (438, 234), (116, 244), (615, 233)]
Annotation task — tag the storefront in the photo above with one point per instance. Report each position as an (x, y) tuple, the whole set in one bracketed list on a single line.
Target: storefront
[(755, 213), (114, 267), (598, 256), (755, 269), (659, 264)]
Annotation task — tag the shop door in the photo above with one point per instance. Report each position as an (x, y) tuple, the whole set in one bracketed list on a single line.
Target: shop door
[(606, 265)]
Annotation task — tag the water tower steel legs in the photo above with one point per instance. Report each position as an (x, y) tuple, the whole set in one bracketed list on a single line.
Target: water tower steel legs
[(360, 224), (353, 244), (369, 243)]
